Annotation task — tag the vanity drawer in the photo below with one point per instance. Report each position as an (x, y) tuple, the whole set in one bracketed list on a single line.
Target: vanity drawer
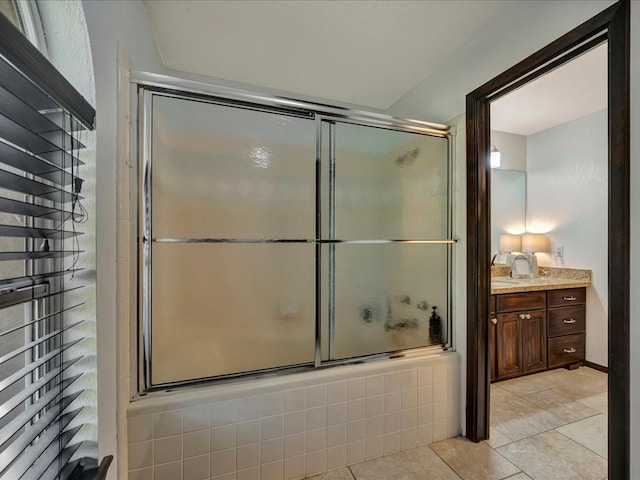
[(567, 349), (568, 296), (512, 302), (564, 321)]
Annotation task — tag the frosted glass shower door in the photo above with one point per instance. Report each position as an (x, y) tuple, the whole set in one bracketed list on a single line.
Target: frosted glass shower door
[(232, 258), (388, 241)]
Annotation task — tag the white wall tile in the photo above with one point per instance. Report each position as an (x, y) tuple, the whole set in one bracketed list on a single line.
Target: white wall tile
[(195, 443), (409, 398), (167, 424), (374, 426), (392, 382), (439, 374), (375, 385), (247, 408), (425, 376), (373, 448), (252, 473), (425, 395), (336, 435), (248, 456), (294, 400), (271, 404), (142, 474), (140, 428), (272, 471), (409, 418), (355, 452), (316, 439), (271, 427), (196, 418), (248, 432), (223, 413), (316, 395), (440, 411), (392, 402), (294, 468), (227, 476), (271, 450), (392, 422), (336, 457), (167, 449), (295, 445), (375, 405), (409, 378), (409, 438), (223, 462), (356, 409), (316, 417), (356, 431), (425, 414), (391, 443), (223, 438), (140, 455), (336, 392), (196, 468), (295, 422), (439, 430), (316, 462), (336, 413), (425, 434), (439, 392), (355, 388), (168, 471)]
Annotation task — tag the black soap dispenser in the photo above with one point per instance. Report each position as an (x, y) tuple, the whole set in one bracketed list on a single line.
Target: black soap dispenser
[(435, 327)]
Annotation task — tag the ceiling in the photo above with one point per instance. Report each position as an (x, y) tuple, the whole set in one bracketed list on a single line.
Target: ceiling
[(574, 90), (365, 52), (360, 52)]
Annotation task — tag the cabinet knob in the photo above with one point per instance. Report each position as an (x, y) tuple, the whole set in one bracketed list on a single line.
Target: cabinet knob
[(569, 320), (494, 321), (570, 350), (525, 316), (569, 299)]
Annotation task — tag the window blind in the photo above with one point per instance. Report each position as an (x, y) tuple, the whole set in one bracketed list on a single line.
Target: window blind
[(42, 120)]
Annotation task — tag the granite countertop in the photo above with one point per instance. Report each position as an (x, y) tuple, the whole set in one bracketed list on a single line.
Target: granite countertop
[(551, 278)]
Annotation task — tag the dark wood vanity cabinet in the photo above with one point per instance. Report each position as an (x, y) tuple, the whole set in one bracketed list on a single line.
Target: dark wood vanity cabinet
[(534, 331), (520, 334)]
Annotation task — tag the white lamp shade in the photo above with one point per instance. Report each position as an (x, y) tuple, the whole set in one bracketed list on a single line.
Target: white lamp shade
[(535, 242), (509, 243)]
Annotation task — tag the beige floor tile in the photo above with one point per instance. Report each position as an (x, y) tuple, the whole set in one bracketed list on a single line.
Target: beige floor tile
[(579, 383), (416, 464), (529, 384), (590, 432), (341, 474), (497, 438), (473, 461), (554, 402), (518, 418), (520, 476), (597, 402), (551, 455)]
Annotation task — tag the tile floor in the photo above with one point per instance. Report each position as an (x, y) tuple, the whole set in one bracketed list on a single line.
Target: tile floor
[(547, 426)]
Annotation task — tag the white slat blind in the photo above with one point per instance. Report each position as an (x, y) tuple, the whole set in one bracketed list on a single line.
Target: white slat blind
[(40, 218)]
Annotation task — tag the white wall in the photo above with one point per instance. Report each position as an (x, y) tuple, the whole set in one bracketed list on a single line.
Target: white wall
[(567, 182), (115, 27), (513, 150)]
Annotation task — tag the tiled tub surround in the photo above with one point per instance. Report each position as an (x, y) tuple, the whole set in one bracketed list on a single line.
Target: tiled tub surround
[(297, 425)]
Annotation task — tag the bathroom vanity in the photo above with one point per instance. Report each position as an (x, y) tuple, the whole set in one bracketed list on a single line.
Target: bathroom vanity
[(536, 324)]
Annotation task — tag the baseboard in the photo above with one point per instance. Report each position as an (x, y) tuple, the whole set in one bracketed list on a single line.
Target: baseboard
[(595, 366)]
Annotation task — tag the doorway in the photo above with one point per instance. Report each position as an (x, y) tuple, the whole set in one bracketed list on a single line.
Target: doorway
[(611, 25)]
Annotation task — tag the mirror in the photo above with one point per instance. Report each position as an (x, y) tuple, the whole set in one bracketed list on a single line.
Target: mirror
[(508, 204)]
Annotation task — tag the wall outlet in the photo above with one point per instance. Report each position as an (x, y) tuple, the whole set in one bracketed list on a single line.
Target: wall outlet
[(560, 251)]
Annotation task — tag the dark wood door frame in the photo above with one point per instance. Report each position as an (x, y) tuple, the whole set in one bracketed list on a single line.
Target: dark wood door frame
[(612, 25)]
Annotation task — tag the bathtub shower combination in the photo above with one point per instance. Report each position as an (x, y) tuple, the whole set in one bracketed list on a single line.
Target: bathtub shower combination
[(278, 235)]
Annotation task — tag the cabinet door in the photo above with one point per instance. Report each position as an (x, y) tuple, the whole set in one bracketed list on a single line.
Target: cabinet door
[(508, 345), (534, 340)]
